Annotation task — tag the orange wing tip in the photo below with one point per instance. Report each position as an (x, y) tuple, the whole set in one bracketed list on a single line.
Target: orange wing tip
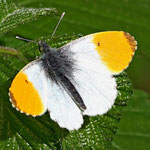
[(115, 48), (131, 40), (14, 106), (21, 110), (11, 99), (28, 102)]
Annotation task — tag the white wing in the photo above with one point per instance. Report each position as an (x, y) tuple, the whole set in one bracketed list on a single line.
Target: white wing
[(92, 79)]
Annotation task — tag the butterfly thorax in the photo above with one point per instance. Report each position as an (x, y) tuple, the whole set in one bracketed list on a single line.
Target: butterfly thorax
[(56, 63)]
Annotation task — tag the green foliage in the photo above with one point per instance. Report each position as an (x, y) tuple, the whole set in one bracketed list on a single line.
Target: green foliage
[(18, 131), (11, 15), (134, 128)]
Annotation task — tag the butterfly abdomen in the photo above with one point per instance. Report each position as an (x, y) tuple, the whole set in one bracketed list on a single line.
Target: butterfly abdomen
[(71, 90)]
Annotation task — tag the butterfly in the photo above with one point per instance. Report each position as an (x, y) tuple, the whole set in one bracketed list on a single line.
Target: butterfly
[(74, 80)]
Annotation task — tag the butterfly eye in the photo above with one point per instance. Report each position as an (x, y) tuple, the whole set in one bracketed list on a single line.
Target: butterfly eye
[(43, 46)]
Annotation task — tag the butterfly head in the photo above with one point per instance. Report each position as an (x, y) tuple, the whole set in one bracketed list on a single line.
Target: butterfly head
[(43, 46)]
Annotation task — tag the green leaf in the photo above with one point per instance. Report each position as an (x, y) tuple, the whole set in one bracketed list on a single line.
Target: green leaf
[(7, 7), (13, 15), (25, 132), (5, 53), (134, 128)]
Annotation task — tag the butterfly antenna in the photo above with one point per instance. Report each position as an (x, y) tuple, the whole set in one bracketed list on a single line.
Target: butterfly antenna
[(24, 39), (28, 40), (62, 15)]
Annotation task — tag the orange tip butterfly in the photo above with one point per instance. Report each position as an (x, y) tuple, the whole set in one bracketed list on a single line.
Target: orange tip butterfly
[(74, 80)]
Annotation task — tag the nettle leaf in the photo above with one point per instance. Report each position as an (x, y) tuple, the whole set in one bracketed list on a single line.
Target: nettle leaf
[(19, 131), (12, 15), (7, 7), (98, 132), (134, 128)]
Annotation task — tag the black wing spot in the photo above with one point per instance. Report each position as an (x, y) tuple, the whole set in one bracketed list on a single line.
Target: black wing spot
[(26, 81), (98, 44)]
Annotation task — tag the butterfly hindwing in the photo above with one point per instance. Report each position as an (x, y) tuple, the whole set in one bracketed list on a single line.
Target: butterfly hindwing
[(62, 108)]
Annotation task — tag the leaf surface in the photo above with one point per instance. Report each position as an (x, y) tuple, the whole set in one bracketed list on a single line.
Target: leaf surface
[(13, 15), (134, 128)]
